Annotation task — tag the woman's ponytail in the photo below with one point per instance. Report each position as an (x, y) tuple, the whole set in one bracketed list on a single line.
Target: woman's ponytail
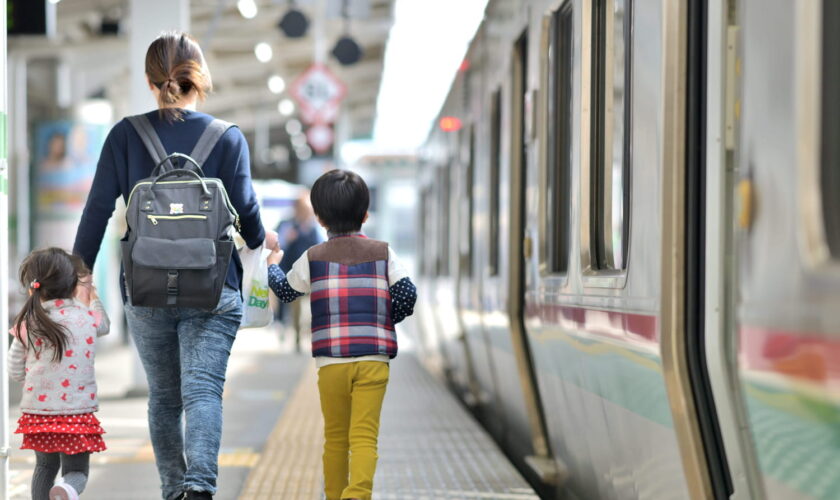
[(175, 65)]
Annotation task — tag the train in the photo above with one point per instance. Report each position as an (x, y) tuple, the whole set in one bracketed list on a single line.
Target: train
[(629, 261)]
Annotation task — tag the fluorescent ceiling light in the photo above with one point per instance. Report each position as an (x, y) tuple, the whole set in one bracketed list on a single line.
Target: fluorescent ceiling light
[(263, 52), (286, 107), (248, 8), (276, 84), (420, 64)]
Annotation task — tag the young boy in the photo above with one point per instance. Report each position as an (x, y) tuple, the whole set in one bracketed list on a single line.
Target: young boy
[(358, 292)]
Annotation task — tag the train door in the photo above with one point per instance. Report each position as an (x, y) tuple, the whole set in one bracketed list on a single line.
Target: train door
[(485, 395), (455, 350), (530, 415), (711, 270), (788, 242)]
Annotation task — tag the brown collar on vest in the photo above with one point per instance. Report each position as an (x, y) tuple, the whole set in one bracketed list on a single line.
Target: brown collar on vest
[(349, 251)]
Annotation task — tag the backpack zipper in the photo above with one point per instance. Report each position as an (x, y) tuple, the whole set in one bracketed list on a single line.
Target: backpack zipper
[(215, 181), (154, 218)]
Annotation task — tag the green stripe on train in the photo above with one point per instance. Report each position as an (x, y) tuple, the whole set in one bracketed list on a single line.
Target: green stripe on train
[(797, 439)]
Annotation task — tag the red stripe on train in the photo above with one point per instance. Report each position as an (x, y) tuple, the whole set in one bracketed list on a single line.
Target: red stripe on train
[(805, 355), (611, 323)]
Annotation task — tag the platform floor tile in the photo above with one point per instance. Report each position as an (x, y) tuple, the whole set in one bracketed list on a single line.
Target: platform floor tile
[(429, 447)]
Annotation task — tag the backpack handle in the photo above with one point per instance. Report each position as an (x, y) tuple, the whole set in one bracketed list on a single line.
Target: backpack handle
[(189, 161), (179, 171)]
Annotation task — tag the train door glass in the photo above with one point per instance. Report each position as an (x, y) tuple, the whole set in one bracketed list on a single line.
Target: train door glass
[(610, 189), (830, 161), (467, 246), (495, 166), (444, 215), (560, 138)]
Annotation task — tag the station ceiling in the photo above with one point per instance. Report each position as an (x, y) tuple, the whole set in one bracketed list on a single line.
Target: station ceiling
[(241, 92)]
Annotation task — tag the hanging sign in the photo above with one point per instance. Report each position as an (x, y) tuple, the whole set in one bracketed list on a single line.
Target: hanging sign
[(318, 93)]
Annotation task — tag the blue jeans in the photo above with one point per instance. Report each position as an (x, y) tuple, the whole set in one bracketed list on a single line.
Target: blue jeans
[(185, 353)]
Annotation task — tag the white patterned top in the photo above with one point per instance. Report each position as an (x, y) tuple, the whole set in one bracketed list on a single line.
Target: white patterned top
[(66, 387)]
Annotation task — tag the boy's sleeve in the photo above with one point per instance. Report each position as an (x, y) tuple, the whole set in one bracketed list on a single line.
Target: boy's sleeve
[(403, 291), (103, 324), (396, 271), (17, 361), (289, 287)]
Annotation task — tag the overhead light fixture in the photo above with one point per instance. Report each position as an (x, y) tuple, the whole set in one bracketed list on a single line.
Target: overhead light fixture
[(54, 1), (294, 23), (248, 8), (286, 107), (347, 51), (263, 52), (276, 84)]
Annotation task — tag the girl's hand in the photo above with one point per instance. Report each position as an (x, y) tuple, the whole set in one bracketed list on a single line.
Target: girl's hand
[(275, 257), (84, 290)]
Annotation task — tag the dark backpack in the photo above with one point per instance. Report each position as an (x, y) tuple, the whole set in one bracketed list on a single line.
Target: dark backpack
[(178, 246)]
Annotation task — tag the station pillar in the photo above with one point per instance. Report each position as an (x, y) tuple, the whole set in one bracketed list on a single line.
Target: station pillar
[(5, 276)]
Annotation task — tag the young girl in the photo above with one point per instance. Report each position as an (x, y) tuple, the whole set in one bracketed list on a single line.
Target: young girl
[(52, 354)]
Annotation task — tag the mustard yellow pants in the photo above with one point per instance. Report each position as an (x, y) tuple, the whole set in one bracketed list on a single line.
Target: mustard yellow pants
[(351, 401)]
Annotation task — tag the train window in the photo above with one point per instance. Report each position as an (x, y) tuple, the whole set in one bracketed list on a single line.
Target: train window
[(495, 188), (560, 138), (610, 174), (830, 162)]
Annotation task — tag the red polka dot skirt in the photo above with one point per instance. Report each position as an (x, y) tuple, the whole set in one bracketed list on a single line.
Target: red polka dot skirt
[(70, 434)]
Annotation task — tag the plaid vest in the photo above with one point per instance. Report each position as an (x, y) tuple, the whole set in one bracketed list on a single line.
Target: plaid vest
[(350, 299)]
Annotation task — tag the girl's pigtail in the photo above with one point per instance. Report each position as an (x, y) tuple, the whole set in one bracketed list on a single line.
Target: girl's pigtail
[(36, 322)]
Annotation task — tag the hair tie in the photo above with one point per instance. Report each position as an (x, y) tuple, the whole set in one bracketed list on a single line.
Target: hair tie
[(35, 284)]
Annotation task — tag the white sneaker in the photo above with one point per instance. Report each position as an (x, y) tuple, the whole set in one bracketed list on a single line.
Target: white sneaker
[(63, 491)]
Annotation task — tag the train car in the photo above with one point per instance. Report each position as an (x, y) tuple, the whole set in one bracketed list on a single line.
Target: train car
[(629, 263)]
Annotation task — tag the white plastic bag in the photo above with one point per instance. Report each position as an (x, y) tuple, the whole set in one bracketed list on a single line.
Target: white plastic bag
[(256, 311)]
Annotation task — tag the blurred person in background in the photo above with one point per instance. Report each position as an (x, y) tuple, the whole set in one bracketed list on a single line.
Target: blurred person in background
[(296, 236)]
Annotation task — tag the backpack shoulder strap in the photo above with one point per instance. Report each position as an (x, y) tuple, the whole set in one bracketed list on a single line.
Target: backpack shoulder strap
[(150, 138), (214, 131)]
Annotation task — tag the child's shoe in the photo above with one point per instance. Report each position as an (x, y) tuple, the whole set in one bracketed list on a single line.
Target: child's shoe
[(63, 491)]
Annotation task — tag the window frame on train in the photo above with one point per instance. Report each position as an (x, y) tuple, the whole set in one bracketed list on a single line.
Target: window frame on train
[(829, 176), (817, 102), (606, 241), (558, 53), (467, 252), (444, 221), (494, 232)]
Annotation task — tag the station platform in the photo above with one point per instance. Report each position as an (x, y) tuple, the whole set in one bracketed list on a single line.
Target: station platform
[(430, 446)]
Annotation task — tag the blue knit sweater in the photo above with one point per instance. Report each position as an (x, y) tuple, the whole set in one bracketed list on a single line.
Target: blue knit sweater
[(124, 161)]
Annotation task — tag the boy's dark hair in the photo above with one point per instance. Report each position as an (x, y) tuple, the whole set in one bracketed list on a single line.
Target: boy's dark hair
[(50, 274), (340, 198)]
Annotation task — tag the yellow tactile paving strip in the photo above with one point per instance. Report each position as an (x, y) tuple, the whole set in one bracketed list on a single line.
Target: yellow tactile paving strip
[(290, 465)]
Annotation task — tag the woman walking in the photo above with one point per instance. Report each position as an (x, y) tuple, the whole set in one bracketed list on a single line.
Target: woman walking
[(184, 351)]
